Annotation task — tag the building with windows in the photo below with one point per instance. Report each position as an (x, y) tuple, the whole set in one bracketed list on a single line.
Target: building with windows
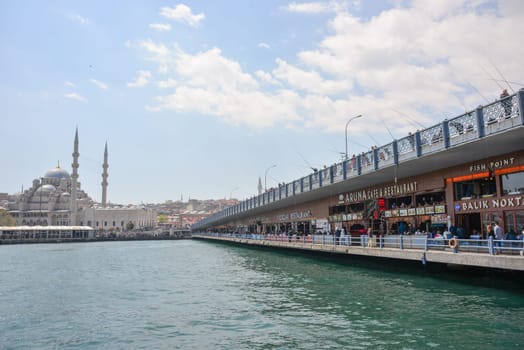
[(460, 174), (57, 199)]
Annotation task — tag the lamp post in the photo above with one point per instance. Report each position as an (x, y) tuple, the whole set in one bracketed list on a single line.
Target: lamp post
[(231, 192), (265, 177), (347, 124)]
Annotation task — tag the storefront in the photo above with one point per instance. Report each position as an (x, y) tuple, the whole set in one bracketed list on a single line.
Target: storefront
[(396, 208), (489, 191), (350, 216), (301, 222)]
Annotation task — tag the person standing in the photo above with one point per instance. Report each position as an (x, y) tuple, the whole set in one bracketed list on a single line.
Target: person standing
[(506, 103), (490, 232), (498, 235)]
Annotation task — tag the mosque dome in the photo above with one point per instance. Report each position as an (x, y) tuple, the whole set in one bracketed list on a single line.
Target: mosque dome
[(57, 173), (46, 189)]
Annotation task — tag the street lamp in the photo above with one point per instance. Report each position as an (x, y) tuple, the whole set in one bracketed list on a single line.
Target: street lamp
[(231, 192), (347, 124), (265, 177)]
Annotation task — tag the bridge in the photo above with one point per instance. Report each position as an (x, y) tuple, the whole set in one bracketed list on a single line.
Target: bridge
[(496, 128)]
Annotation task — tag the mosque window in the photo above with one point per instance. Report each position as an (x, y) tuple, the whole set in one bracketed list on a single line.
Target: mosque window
[(97, 224), (105, 223), (114, 223)]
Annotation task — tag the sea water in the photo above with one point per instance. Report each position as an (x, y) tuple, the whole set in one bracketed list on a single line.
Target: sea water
[(191, 294)]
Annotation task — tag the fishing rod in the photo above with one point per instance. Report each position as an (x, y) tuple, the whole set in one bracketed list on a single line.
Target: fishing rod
[(512, 82), (405, 115), (500, 73), (477, 90)]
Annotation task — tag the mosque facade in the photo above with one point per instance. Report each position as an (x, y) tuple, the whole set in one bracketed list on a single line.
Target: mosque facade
[(57, 199)]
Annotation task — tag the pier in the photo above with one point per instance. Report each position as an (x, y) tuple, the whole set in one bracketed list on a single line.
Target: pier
[(477, 254)]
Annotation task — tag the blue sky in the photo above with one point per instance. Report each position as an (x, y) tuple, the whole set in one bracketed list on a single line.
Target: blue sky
[(199, 98)]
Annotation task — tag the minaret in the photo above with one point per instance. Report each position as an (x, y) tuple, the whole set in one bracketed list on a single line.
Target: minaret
[(104, 179), (74, 177), (260, 188)]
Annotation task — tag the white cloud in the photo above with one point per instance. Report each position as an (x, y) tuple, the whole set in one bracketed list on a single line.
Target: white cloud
[(212, 70), (99, 84), (161, 27), (75, 17), (410, 59), (317, 7), (159, 53), (310, 81), (182, 13), (402, 67), (209, 83), (264, 46), (142, 79), (77, 97), (165, 84), (252, 108), (266, 77), (69, 84)]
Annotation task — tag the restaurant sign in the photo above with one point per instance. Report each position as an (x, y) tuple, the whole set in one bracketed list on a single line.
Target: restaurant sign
[(476, 205), (389, 191), (499, 163), (295, 215)]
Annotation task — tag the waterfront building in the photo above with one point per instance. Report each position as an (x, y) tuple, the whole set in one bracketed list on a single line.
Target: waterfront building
[(459, 175), (57, 199), (34, 233)]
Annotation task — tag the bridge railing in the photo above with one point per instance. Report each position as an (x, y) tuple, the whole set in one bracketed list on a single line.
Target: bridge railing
[(463, 128), (385, 155), (502, 114), (367, 162), (420, 242), (406, 148)]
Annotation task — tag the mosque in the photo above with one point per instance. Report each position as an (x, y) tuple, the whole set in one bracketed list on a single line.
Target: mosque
[(57, 199)]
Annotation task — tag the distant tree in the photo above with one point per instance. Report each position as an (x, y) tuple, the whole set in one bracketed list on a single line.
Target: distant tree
[(130, 226), (6, 219), (162, 219)]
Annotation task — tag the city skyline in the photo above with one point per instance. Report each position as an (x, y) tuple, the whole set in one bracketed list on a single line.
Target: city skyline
[(202, 99)]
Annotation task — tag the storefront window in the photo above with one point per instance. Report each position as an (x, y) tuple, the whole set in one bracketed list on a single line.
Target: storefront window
[(401, 202), (356, 207), (514, 222), (475, 189), (434, 198), (513, 183), (339, 209)]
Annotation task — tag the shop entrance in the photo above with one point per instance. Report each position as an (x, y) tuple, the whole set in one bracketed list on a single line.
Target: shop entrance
[(470, 223)]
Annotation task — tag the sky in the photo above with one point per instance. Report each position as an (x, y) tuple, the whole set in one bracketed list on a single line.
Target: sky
[(201, 99)]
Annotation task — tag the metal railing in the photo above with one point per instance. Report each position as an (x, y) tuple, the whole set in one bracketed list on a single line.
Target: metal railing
[(485, 246)]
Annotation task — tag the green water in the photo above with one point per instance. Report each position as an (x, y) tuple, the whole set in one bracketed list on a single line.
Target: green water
[(204, 295)]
